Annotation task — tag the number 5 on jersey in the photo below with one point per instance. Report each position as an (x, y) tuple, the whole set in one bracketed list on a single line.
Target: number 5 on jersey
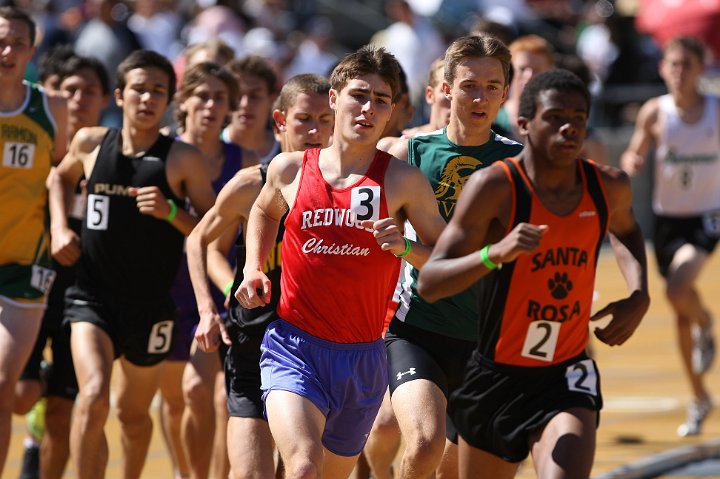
[(98, 210), (365, 202)]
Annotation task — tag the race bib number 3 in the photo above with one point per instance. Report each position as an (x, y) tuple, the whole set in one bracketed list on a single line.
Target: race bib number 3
[(541, 340), (582, 377), (98, 210), (365, 202), (42, 278), (19, 155)]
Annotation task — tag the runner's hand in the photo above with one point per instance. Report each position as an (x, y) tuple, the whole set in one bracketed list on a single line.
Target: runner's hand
[(65, 246), (626, 315), (151, 201), (387, 234), (211, 331), (254, 291)]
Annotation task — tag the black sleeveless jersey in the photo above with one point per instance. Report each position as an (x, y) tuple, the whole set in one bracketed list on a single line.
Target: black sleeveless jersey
[(259, 318), (127, 255)]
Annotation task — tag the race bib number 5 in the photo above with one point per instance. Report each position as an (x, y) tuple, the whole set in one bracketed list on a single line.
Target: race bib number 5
[(541, 340), (98, 210)]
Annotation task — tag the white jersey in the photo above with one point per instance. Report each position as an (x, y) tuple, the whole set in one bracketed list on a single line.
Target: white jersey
[(687, 162)]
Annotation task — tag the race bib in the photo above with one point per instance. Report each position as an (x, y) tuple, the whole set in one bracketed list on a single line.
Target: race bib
[(42, 279), (582, 377), (19, 155)]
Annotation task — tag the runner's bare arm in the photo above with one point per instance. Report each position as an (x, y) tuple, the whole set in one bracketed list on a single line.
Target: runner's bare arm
[(629, 249), (265, 216), (65, 244), (230, 209), (456, 263), (633, 159)]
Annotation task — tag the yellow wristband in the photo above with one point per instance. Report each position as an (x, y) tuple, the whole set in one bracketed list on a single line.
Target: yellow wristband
[(408, 246), (173, 211), (228, 288), (486, 259)]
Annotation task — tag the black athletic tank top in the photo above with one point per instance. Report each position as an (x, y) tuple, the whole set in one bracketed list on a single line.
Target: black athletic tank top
[(259, 318), (125, 254)]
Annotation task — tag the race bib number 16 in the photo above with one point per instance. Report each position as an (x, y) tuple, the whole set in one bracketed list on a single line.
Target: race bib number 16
[(19, 155)]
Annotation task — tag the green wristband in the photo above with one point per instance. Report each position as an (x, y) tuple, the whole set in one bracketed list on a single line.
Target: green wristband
[(173, 211), (408, 246), (228, 288), (486, 259)]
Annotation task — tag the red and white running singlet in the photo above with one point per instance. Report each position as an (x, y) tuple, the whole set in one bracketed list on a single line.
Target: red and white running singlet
[(336, 281)]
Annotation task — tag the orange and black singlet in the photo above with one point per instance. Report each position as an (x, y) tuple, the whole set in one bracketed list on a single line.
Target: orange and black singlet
[(535, 310)]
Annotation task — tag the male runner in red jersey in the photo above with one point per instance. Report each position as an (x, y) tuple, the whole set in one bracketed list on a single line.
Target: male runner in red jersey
[(323, 364)]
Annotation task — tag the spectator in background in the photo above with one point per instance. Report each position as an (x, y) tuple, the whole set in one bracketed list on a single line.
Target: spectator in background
[(313, 54), (218, 22), (414, 42), (157, 24), (107, 37)]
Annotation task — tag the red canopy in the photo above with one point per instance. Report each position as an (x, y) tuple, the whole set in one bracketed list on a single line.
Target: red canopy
[(665, 19)]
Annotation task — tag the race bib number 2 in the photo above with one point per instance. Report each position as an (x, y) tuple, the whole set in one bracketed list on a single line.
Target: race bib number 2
[(541, 340), (582, 377)]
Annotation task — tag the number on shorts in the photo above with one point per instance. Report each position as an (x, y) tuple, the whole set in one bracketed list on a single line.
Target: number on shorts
[(42, 278), (98, 212), (582, 377), (541, 340), (160, 337), (365, 202), (19, 155)]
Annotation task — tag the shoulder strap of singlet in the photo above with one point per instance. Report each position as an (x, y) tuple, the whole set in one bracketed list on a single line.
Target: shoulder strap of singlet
[(263, 172), (597, 193), (379, 165), (523, 194)]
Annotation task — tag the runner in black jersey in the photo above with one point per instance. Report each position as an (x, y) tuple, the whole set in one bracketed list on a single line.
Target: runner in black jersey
[(131, 245), (303, 119)]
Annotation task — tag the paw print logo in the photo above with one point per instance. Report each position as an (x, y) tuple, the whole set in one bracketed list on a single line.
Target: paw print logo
[(560, 286)]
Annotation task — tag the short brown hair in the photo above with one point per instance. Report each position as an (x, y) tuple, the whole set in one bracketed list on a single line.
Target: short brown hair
[(14, 13), (536, 45), (367, 60), (195, 76), (476, 46), (146, 59), (303, 83), (221, 50), (435, 75), (691, 44), (256, 66)]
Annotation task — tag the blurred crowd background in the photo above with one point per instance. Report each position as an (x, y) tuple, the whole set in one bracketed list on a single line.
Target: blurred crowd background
[(617, 44)]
